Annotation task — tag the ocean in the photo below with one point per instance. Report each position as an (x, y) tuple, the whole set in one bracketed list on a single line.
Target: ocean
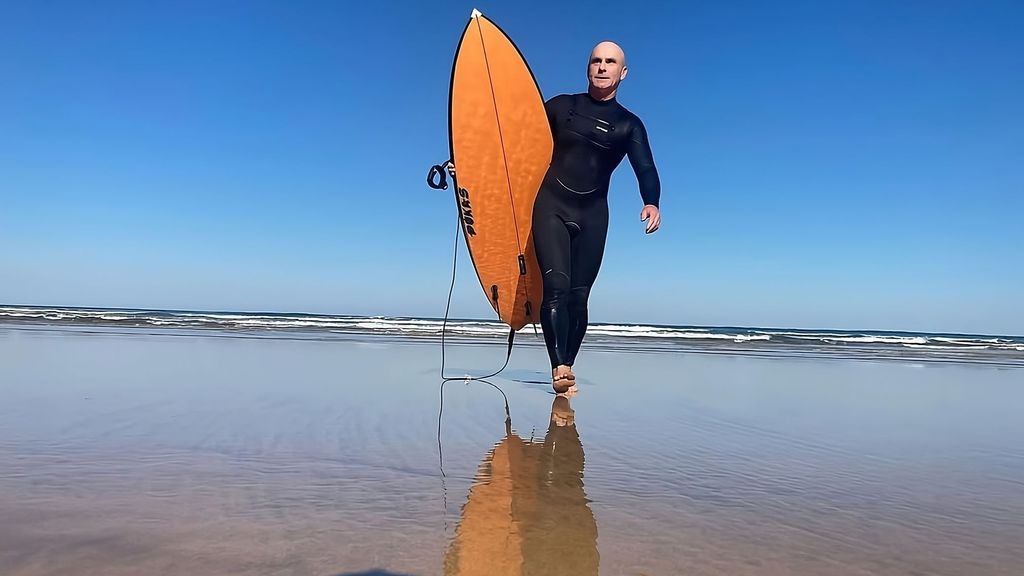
[(854, 344)]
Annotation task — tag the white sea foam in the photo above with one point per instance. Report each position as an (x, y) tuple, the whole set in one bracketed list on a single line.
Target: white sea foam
[(940, 347), (642, 328), (158, 322), (809, 335), (640, 332), (881, 339), (489, 328), (985, 342)]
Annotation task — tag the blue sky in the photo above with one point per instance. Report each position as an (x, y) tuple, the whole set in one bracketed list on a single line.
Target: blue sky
[(824, 164)]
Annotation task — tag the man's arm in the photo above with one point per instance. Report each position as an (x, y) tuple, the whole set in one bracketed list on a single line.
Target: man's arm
[(552, 107), (642, 160)]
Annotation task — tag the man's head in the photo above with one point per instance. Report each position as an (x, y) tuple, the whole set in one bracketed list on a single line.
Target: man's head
[(607, 68)]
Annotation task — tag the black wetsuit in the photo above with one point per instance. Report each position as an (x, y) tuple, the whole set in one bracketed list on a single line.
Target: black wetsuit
[(570, 215)]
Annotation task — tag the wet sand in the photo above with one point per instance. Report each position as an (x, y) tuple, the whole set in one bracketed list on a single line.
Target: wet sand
[(170, 453)]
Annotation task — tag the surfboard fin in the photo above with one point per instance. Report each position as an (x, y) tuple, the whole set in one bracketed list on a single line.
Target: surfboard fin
[(529, 314)]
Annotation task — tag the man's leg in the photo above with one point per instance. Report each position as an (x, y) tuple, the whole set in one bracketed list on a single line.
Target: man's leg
[(552, 244), (587, 253)]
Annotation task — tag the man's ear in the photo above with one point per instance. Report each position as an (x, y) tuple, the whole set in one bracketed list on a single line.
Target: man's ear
[(622, 76)]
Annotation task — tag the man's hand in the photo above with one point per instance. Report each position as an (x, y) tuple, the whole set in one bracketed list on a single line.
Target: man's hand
[(652, 216)]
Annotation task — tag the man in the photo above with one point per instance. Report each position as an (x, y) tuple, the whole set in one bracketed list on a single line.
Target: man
[(592, 133)]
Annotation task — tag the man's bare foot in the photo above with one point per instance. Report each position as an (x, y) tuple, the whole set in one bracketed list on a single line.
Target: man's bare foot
[(563, 371), (562, 379)]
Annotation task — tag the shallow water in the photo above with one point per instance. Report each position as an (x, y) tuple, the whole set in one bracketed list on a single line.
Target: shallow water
[(175, 453)]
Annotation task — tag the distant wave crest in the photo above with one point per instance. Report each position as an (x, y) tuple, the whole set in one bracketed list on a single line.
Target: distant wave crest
[(663, 336)]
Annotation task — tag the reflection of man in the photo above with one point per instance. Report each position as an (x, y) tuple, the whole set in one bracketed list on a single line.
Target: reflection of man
[(528, 513)]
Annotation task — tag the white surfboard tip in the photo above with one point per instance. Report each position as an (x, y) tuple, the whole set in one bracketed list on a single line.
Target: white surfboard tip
[(475, 14)]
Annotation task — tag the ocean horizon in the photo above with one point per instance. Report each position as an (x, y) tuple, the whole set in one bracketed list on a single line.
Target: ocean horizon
[(877, 344)]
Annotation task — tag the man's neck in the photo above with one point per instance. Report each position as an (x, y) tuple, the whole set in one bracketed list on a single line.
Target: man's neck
[(601, 95)]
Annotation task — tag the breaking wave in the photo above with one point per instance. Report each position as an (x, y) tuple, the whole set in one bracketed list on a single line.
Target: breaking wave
[(682, 337)]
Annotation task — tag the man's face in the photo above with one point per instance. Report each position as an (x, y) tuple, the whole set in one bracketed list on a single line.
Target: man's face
[(607, 66)]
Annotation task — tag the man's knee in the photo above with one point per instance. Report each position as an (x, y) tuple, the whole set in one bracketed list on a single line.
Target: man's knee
[(556, 288), (578, 298)]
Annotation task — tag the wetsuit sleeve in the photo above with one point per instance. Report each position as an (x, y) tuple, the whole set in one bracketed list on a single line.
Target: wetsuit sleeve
[(642, 160), (552, 106)]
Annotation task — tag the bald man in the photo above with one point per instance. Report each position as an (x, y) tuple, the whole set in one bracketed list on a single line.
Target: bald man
[(592, 133)]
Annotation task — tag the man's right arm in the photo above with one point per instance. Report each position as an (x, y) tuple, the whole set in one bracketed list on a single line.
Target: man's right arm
[(553, 106)]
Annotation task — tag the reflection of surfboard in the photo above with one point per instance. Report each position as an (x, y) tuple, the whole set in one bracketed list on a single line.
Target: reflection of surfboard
[(501, 144), (527, 511)]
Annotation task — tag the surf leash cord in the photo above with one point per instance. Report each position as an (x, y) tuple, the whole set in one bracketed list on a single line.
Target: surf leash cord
[(441, 183)]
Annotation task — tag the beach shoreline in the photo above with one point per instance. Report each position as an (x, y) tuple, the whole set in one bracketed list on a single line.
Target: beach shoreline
[(1007, 351), (148, 450)]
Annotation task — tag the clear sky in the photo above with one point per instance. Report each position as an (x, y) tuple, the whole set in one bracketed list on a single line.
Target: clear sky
[(824, 164)]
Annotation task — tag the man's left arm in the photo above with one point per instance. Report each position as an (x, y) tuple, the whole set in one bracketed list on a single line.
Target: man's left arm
[(642, 160)]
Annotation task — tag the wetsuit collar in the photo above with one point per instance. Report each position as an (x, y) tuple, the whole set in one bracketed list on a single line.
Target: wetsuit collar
[(597, 102)]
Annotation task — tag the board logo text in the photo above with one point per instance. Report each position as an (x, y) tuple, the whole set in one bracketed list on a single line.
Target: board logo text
[(466, 211)]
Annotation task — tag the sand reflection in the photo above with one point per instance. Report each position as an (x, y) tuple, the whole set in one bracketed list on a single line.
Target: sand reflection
[(527, 512)]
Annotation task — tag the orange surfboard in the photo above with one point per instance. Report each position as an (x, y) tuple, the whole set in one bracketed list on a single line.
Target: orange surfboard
[(501, 144)]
